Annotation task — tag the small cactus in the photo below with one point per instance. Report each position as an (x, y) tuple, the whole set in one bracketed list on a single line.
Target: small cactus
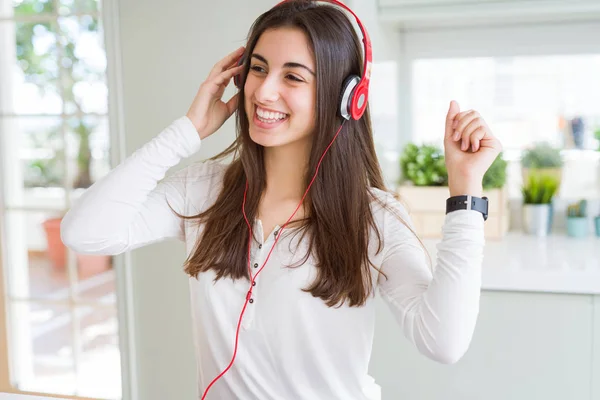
[(577, 210)]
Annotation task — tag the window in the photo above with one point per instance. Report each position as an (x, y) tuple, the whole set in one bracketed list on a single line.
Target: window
[(54, 142), (532, 83), (526, 99)]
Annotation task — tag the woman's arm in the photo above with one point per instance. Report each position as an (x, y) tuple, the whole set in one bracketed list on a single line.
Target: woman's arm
[(128, 207), (437, 310)]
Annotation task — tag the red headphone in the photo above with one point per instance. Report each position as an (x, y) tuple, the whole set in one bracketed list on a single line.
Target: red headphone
[(355, 90)]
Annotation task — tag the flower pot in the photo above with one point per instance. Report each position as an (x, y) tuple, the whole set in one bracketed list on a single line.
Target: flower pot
[(597, 224), (56, 249), (537, 219), (577, 226)]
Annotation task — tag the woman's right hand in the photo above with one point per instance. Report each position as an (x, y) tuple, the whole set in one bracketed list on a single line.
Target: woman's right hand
[(208, 112)]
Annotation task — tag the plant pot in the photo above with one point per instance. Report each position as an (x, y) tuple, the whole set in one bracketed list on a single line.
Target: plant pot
[(87, 265), (577, 226), (56, 249), (597, 224), (537, 219)]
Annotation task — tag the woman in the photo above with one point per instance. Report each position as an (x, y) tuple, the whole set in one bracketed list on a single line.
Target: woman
[(288, 243)]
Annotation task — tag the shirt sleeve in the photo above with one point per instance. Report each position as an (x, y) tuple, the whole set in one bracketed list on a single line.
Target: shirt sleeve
[(129, 208), (437, 308)]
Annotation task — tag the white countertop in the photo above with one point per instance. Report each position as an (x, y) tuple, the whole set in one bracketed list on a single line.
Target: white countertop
[(12, 396), (557, 263)]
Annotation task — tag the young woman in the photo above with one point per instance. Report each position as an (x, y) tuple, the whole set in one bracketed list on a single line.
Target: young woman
[(288, 243)]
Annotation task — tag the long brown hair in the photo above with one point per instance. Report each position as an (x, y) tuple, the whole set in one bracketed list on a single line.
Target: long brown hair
[(338, 214)]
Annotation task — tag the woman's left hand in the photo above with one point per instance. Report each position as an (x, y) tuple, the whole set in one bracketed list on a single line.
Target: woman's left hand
[(470, 149)]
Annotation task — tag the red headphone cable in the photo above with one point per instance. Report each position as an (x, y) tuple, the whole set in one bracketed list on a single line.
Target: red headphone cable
[(252, 282)]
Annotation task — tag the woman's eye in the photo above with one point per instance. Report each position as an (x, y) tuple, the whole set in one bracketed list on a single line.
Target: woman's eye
[(294, 78), (257, 68)]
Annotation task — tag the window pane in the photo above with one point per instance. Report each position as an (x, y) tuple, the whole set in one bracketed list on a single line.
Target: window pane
[(96, 279), (78, 6), (34, 149), (33, 7), (36, 262), (33, 59), (525, 99), (88, 150), (84, 62), (100, 363), (42, 348)]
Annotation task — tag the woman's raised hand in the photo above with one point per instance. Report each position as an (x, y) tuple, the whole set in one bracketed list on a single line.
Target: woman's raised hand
[(208, 112)]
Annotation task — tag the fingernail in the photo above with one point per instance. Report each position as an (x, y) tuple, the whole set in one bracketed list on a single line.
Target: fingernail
[(456, 135)]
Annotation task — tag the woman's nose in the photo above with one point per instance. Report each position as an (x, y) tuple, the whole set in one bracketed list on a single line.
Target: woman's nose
[(268, 91)]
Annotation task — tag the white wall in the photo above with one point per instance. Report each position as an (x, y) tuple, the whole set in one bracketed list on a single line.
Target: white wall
[(167, 50)]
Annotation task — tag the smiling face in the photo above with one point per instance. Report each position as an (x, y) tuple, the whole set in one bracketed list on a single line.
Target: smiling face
[(280, 89)]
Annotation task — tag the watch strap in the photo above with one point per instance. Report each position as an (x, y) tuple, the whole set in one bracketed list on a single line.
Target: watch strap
[(468, 202)]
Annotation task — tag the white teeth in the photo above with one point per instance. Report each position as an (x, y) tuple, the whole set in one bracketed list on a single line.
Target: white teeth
[(269, 116)]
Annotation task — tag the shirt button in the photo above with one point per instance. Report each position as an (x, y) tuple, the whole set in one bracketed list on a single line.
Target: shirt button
[(251, 300), (255, 265), (275, 233), (260, 246), (253, 283)]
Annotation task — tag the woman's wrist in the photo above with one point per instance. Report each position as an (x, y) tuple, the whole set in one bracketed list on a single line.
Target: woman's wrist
[(465, 185)]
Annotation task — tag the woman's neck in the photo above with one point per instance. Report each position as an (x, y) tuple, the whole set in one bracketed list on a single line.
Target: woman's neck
[(286, 168)]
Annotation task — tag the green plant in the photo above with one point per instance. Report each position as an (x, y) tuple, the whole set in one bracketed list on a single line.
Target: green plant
[(36, 67), (424, 165), (542, 155), (540, 189), (495, 176), (577, 210)]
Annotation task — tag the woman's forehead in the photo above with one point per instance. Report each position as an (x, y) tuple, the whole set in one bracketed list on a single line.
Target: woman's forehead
[(284, 45)]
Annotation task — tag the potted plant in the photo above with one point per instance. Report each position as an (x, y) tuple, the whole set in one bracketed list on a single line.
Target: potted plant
[(541, 159), (424, 189), (577, 222), (537, 200)]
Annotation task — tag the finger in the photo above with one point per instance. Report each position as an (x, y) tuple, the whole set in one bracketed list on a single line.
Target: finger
[(232, 103), (462, 124), (226, 62), (453, 110), (468, 130), (224, 77), (460, 116), (476, 137)]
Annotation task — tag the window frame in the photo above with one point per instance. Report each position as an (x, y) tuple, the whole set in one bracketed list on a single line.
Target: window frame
[(108, 14)]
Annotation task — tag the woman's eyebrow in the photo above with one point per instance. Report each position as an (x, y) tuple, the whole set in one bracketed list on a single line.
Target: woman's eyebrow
[(286, 65)]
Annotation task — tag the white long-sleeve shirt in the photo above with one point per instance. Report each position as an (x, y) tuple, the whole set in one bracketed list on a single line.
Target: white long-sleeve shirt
[(291, 345)]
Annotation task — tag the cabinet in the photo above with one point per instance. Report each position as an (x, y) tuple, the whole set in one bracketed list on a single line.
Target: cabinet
[(526, 346)]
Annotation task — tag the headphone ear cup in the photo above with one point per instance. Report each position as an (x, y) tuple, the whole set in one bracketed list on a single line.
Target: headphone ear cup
[(237, 79), (347, 96)]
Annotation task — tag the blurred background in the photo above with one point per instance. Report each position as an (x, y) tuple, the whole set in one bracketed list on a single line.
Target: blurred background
[(84, 83)]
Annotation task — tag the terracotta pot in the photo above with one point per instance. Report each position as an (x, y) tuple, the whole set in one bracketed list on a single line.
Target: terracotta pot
[(56, 249)]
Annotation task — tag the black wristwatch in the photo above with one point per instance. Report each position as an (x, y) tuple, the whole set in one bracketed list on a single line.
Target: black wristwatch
[(468, 202)]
